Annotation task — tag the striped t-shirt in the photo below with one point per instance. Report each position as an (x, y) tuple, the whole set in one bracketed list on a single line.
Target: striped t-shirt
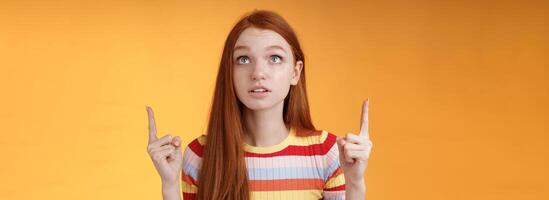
[(305, 165)]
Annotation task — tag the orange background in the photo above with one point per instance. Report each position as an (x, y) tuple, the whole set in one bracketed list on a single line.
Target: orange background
[(459, 91)]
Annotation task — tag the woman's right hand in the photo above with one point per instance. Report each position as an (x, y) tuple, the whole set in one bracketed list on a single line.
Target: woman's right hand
[(165, 153)]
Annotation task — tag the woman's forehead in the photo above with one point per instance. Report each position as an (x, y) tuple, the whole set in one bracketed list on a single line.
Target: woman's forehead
[(260, 39)]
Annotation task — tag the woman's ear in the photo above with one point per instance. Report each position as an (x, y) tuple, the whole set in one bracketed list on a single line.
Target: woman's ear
[(297, 72)]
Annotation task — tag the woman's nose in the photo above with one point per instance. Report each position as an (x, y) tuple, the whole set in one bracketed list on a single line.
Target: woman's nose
[(259, 72)]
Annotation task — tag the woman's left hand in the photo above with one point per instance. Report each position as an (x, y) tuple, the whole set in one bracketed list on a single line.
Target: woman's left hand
[(354, 150)]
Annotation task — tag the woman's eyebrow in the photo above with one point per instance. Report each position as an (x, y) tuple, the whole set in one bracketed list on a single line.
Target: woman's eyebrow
[(241, 47), (275, 47), (266, 48)]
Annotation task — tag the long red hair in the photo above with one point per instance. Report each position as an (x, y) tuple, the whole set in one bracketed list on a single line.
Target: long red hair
[(223, 174)]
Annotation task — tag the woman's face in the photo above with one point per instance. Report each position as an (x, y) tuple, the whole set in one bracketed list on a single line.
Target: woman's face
[(263, 59)]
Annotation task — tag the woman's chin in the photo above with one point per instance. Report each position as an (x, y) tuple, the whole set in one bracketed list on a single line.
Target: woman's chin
[(259, 105)]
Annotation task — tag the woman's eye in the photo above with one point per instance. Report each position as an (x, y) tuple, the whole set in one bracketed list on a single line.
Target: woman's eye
[(276, 59), (243, 60)]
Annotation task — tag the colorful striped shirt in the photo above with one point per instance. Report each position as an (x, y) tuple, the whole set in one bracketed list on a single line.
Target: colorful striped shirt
[(305, 165)]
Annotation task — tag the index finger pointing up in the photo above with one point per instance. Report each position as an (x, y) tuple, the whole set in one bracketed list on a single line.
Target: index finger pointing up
[(152, 125), (364, 120)]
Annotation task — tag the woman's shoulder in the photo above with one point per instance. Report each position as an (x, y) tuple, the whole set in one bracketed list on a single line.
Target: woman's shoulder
[(320, 137), (192, 160), (302, 137), (196, 146)]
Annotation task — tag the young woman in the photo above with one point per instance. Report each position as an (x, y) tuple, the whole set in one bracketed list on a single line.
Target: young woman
[(260, 142)]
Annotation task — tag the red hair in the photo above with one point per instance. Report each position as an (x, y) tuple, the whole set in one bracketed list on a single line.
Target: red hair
[(223, 174)]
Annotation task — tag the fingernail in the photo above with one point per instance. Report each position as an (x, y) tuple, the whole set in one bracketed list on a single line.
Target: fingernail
[(177, 141)]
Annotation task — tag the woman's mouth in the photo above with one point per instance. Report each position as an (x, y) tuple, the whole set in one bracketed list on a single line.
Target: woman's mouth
[(259, 93)]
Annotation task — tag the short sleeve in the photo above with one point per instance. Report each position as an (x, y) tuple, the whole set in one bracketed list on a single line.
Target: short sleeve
[(334, 187), (189, 173)]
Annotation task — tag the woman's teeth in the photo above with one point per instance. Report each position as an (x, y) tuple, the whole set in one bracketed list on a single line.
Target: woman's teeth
[(259, 90)]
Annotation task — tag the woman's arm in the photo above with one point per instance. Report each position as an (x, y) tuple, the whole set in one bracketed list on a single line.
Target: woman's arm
[(165, 152), (354, 153), (171, 191), (355, 189)]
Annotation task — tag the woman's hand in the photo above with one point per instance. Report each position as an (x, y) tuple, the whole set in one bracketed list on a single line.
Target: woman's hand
[(165, 153), (354, 151)]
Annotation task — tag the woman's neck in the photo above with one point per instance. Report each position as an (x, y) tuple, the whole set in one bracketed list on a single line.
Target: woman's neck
[(266, 127)]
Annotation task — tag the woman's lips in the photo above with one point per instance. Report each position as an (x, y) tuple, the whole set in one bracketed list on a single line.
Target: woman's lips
[(259, 94)]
